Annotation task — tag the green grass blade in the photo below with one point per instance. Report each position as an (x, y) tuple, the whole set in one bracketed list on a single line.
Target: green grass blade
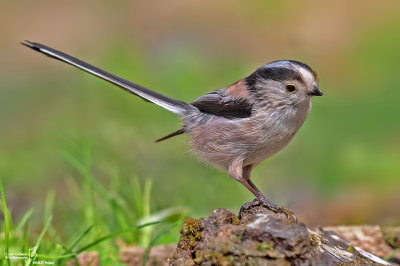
[(137, 196), (146, 233), (146, 197), (25, 238), (59, 257), (91, 185), (75, 163), (39, 240), (103, 238), (392, 254), (49, 204), (46, 226), (83, 169), (76, 242), (6, 222), (72, 246), (23, 221)]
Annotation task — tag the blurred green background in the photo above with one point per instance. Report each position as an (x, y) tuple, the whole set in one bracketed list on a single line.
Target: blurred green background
[(343, 167)]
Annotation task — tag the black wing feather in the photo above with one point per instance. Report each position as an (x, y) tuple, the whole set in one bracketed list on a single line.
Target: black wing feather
[(220, 104)]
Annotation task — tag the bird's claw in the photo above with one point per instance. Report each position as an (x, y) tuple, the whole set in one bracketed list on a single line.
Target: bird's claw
[(278, 209), (289, 214), (270, 206)]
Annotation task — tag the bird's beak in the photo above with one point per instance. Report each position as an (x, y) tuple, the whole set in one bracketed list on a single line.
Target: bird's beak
[(315, 92)]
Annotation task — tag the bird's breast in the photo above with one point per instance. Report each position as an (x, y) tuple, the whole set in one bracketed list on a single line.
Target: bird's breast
[(221, 141), (277, 128)]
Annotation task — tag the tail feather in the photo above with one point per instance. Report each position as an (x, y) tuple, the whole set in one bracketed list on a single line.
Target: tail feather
[(175, 106), (173, 134)]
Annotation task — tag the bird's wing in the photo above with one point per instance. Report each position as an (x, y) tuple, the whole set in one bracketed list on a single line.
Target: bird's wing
[(231, 102)]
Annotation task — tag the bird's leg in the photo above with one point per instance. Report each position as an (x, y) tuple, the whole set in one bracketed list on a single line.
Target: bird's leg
[(243, 176)]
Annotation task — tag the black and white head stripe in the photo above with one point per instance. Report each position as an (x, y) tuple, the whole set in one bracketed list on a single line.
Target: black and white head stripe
[(284, 70), (305, 70), (170, 104)]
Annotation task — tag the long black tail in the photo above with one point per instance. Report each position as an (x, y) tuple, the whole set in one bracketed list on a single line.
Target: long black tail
[(175, 106)]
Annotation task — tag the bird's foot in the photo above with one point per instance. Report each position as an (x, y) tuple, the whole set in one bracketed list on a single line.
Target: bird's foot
[(262, 201)]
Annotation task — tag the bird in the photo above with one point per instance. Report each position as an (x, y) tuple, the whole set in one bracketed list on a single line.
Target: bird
[(237, 127)]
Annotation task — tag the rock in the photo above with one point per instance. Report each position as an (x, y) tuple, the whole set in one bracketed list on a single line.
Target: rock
[(158, 256), (367, 237), (261, 237)]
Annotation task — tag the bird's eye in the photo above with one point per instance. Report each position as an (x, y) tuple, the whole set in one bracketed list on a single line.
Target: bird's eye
[(291, 88)]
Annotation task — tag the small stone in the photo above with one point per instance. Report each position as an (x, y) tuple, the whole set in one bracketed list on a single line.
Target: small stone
[(158, 256), (85, 259)]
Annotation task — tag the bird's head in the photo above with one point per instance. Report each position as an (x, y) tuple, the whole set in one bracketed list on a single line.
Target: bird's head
[(283, 83)]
